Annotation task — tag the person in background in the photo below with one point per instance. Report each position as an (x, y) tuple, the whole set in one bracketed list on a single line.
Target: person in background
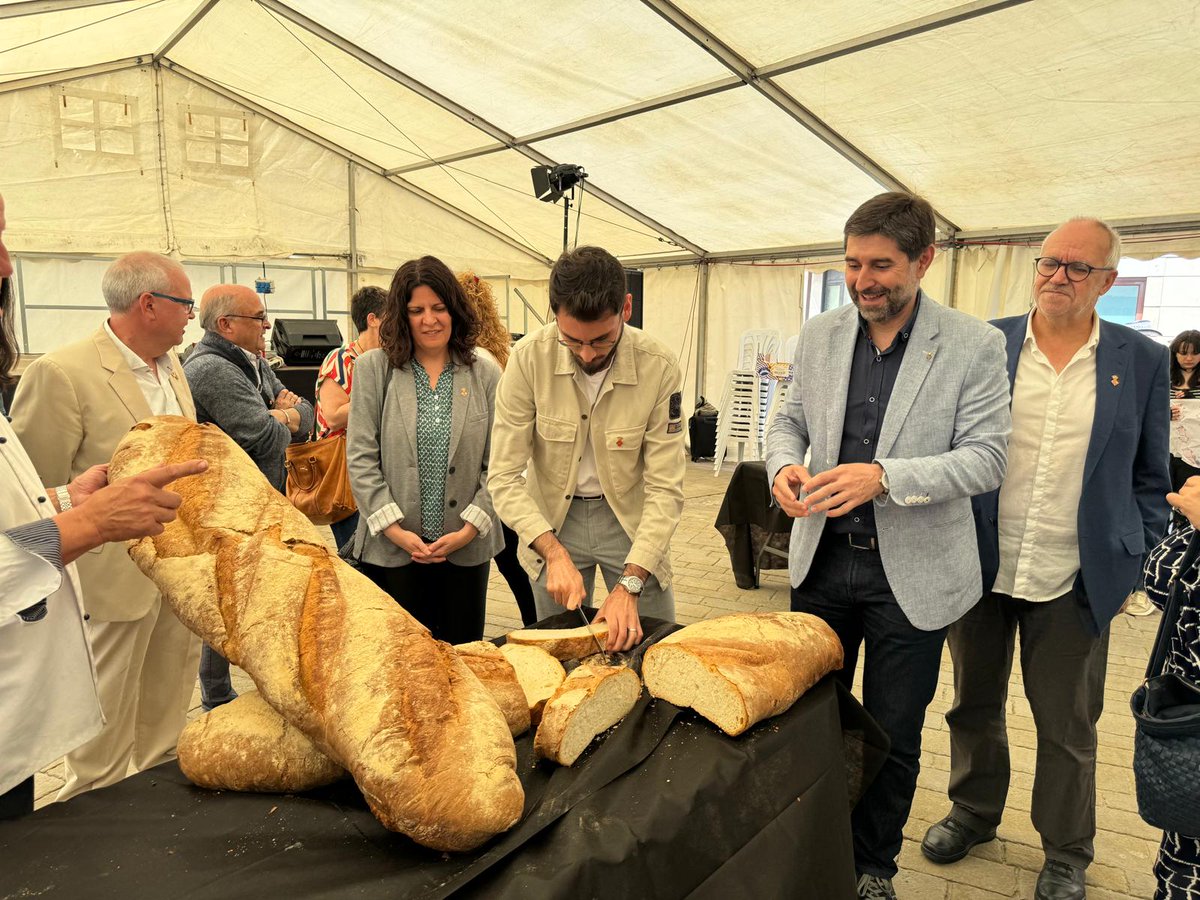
[(494, 338), (417, 448), (1185, 385), (1177, 868), (72, 407), (50, 703), (236, 390), (336, 375)]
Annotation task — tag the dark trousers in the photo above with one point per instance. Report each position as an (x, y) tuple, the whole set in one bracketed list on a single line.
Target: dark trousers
[(344, 530), (216, 687), (18, 801), (849, 590), (518, 581), (447, 599), (1063, 666)]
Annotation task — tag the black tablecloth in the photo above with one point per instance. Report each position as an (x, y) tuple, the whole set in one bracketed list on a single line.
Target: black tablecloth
[(664, 806), (747, 521)]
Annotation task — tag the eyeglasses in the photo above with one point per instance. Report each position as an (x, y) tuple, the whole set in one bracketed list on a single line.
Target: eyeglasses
[(598, 344), (1047, 266), (190, 304), (262, 317)]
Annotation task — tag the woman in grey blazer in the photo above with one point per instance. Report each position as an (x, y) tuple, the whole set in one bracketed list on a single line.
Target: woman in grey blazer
[(417, 451)]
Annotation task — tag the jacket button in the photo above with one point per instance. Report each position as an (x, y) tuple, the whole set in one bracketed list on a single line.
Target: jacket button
[(567, 497), (41, 499), (87, 617), (3, 440), (450, 471), (453, 503), (584, 416)]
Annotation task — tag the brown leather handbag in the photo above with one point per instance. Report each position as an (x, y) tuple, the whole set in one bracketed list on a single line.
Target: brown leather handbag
[(317, 481)]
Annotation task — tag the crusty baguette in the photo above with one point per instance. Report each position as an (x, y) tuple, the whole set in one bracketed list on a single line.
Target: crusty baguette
[(539, 673), (591, 700), (245, 745), (497, 674), (562, 643), (335, 655), (739, 669)]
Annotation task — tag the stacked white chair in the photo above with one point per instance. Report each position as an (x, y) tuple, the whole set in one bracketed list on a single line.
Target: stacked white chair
[(738, 418)]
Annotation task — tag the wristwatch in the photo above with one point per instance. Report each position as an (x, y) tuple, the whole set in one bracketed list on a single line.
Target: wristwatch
[(631, 583), (883, 481)]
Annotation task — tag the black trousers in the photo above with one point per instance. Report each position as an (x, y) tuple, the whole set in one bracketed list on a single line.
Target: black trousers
[(518, 581), (849, 590), (447, 599), (1063, 668)]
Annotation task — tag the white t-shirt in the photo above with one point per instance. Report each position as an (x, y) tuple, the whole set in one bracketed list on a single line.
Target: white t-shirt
[(587, 480)]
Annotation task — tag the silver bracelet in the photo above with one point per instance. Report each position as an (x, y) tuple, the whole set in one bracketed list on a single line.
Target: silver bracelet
[(64, 498)]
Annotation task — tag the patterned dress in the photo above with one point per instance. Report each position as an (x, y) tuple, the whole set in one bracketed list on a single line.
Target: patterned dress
[(1178, 865)]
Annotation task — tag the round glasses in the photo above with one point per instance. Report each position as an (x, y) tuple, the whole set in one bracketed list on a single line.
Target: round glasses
[(1076, 271)]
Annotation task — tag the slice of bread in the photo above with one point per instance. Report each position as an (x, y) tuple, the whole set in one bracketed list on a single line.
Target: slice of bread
[(500, 678), (562, 643), (739, 669), (591, 700), (539, 673)]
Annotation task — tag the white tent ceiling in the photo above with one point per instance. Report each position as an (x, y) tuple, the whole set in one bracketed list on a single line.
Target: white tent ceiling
[(710, 128)]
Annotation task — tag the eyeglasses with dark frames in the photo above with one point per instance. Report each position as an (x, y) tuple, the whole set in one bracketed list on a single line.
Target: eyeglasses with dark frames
[(598, 344), (262, 317), (182, 301), (1047, 266)]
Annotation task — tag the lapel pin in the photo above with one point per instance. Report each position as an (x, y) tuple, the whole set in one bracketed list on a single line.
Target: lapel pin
[(463, 391), (1116, 381), (929, 354), (620, 442)]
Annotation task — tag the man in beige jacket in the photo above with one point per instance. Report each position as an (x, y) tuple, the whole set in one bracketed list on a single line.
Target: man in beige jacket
[(587, 451), (71, 409)]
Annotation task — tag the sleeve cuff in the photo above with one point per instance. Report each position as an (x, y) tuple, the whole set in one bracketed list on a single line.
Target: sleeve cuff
[(382, 518), (477, 517), (41, 538)]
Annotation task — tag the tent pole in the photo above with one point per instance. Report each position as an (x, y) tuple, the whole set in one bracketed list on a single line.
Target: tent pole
[(950, 292), (352, 218), (702, 329)]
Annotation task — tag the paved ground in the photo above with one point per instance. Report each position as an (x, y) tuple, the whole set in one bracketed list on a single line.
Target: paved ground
[(1007, 867)]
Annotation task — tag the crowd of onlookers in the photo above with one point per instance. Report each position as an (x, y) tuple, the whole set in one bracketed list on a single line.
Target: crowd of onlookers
[(923, 454)]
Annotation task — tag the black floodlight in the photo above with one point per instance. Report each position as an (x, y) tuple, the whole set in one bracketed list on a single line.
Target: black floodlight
[(551, 182)]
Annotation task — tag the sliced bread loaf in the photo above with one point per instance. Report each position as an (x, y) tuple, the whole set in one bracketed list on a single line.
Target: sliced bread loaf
[(500, 678), (539, 673), (562, 643), (591, 700)]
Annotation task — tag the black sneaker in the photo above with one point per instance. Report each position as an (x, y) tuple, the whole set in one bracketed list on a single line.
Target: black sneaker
[(873, 887)]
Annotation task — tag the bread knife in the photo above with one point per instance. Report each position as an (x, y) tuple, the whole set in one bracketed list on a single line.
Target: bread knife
[(588, 626)]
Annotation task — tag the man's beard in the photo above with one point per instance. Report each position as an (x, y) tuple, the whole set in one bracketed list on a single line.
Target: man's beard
[(596, 365), (895, 300)]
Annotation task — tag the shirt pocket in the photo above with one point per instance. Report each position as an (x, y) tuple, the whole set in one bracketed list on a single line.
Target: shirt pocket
[(554, 448), (623, 449)]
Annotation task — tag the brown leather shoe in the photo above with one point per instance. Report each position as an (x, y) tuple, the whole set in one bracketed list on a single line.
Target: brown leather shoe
[(1060, 881), (951, 839)]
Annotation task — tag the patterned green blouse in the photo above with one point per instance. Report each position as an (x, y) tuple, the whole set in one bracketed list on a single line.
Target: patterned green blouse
[(434, 417)]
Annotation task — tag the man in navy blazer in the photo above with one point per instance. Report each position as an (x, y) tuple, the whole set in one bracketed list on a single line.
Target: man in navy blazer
[(902, 408), (1061, 545)]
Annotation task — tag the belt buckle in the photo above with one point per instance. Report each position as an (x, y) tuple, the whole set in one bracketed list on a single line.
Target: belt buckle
[(870, 544)]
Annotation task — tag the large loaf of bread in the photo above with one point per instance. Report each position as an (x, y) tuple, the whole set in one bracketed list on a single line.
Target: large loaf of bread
[(336, 656), (592, 699), (245, 745), (739, 669)]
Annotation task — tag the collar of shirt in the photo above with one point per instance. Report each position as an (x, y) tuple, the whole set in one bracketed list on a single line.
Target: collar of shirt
[(1089, 347), (253, 358), (865, 327), (134, 361)]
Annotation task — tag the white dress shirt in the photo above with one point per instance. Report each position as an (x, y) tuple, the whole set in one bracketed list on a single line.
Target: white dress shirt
[(1052, 415), (155, 388), (48, 699)]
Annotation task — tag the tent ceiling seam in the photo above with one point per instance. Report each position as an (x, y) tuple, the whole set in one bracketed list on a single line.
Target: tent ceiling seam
[(182, 31), (37, 7), (463, 113), (733, 61), (332, 147), (60, 75)]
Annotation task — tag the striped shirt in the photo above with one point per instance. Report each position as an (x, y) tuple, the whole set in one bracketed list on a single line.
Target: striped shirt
[(339, 368)]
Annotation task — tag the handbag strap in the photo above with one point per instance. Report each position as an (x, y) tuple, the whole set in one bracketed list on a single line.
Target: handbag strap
[(1166, 628)]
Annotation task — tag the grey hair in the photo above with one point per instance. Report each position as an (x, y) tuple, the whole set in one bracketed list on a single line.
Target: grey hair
[(217, 303), (135, 274), (1113, 258)]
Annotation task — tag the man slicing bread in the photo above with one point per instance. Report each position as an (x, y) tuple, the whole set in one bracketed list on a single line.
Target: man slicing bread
[(904, 407), (587, 451)]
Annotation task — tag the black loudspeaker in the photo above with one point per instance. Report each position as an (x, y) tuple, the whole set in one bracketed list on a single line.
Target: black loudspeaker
[(633, 281), (305, 342)]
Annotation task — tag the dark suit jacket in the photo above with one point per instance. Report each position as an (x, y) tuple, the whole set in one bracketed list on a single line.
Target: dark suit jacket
[(1123, 507)]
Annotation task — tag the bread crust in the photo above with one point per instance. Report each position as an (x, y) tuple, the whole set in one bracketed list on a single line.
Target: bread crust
[(562, 643), (588, 683), (332, 653)]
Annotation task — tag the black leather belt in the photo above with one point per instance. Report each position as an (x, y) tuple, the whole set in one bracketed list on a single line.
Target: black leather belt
[(588, 497)]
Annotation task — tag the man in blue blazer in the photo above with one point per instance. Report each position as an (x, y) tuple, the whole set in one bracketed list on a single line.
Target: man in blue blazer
[(1062, 544), (903, 405)]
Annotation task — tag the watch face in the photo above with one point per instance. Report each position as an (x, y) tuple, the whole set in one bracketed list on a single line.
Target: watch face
[(631, 583)]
